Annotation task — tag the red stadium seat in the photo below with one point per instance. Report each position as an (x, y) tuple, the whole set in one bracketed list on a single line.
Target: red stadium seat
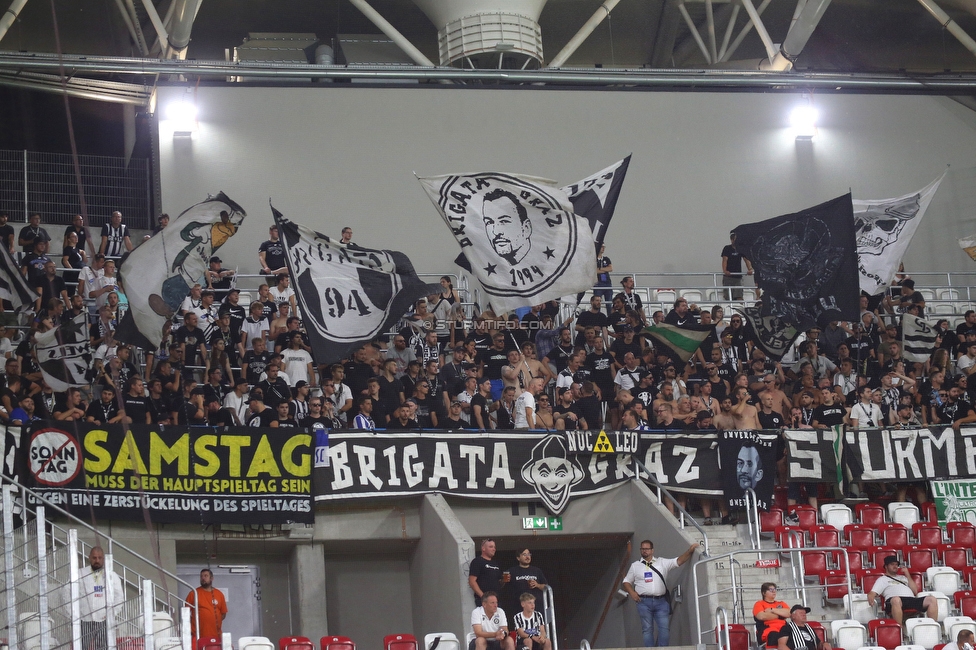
[(859, 535), (966, 602), (870, 514), (336, 643), (877, 554), (962, 532), (854, 556), (939, 646), (929, 512), (738, 637), (295, 643), (919, 579), (886, 632), (834, 583), (209, 643), (769, 521), (895, 535), (868, 578), (781, 497), (818, 629), (918, 557), (807, 516), (967, 575), (789, 536), (927, 533), (399, 642), (824, 535), (954, 555), (814, 563)]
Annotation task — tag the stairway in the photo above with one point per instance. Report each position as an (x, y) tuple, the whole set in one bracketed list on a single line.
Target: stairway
[(38, 563)]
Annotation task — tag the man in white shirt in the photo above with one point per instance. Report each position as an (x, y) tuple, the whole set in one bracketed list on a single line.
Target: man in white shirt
[(524, 411), (94, 600), (646, 583), (866, 414), (964, 641), (898, 588), (236, 402), (89, 274), (490, 626), (967, 362), (298, 362)]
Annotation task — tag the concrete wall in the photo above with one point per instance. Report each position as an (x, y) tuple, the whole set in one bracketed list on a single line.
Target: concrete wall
[(306, 568), (439, 571), (703, 162), (369, 596)]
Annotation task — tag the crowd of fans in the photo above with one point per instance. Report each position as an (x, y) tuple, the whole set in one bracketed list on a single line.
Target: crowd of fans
[(228, 362)]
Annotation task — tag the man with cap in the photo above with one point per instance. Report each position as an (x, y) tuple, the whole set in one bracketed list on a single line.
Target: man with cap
[(797, 634), (646, 584), (898, 588), (219, 279)]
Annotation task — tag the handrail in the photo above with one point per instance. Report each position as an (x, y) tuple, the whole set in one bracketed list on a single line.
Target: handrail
[(752, 509), (584, 645), (684, 513), (721, 614), (548, 600), (731, 558), (44, 500)]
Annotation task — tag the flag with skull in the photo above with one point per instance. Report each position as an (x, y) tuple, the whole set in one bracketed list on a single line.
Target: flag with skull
[(884, 230)]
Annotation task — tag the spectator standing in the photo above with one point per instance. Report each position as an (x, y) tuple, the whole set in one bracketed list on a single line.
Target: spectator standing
[(282, 292), (6, 233), (631, 300), (32, 263), (595, 318), (484, 573), (646, 583), (31, 232), (105, 284), (219, 279), (524, 411), (272, 254), (525, 579), (77, 227), (298, 362), (212, 608), (732, 268), (96, 594), (604, 286), (115, 237), (72, 257)]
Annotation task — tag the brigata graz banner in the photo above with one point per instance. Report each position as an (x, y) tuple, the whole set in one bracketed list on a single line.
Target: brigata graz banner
[(685, 463), (238, 475), (890, 455), (498, 465)]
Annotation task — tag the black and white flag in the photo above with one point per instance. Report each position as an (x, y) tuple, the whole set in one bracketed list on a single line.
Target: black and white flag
[(747, 460), (13, 286), (919, 338), (885, 228), (805, 263), (595, 198), (64, 353), (348, 294), (157, 276), (519, 236), (771, 333), (683, 462)]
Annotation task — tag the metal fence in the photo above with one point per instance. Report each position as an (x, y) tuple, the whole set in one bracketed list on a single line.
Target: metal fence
[(32, 181)]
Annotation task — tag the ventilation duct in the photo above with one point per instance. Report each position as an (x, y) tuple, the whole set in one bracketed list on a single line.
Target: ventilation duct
[(497, 34)]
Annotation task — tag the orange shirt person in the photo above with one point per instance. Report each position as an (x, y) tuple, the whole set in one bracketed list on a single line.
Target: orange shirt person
[(213, 608), (770, 615)]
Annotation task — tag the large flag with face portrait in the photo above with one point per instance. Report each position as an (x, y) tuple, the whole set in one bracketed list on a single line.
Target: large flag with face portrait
[(885, 228), (520, 236), (348, 294), (157, 276), (805, 263)]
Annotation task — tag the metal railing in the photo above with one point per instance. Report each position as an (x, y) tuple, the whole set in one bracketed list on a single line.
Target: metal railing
[(752, 517), (683, 515), (32, 181), (733, 564), (41, 568), (550, 607)]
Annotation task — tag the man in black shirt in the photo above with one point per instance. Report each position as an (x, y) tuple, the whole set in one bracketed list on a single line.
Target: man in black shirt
[(796, 634), (624, 343), (274, 388), (484, 574), (732, 268), (358, 372), (829, 413), (496, 358), (272, 254), (6, 233), (231, 305), (559, 356), (593, 318), (631, 300), (260, 415), (682, 315), (590, 408), (524, 578), (768, 418), (105, 411), (320, 415), (480, 408), (599, 362), (138, 409), (192, 341), (954, 410), (32, 232)]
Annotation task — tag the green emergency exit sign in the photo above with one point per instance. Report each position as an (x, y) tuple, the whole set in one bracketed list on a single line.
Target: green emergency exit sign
[(542, 523)]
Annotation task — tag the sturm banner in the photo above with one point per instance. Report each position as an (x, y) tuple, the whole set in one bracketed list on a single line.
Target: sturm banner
[(240, 475)]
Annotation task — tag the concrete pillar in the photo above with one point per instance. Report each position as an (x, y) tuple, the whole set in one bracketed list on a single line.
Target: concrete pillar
[(442, 600), (308, 613)]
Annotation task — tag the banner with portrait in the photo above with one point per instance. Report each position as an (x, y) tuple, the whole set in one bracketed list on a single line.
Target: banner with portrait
[(747, 460), (241, 475)]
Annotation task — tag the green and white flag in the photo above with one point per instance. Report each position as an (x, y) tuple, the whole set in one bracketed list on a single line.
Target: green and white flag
[(682, 340)]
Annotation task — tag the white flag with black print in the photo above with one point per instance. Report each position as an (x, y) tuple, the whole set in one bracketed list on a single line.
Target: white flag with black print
[(13, 287), (884, 230), (519, 235), (157, 276), (64, 353), (348, 294), (919, 338)]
